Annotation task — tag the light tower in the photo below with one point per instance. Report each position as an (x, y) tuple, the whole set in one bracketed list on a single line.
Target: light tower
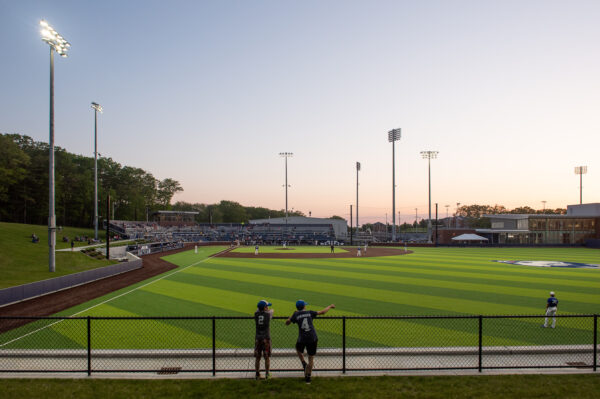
[(61, 46), (357, 170), (580, 170), (97, 108), (429, 155), (286, 155), (393, 136)]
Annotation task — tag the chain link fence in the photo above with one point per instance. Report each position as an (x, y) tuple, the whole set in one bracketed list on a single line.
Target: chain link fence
[(171, 345)]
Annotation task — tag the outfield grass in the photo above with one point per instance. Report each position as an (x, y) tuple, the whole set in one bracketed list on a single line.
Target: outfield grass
[(483, 387), (22, 261), (431, 281), (314, 249)]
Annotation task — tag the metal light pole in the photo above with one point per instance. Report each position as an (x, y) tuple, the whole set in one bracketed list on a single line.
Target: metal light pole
[(544, 206), (457, 205), (61, 46), (580, 170), (97, 108), (416, 219), (393, 136), (429, 155), (357, 170), (286, 155)]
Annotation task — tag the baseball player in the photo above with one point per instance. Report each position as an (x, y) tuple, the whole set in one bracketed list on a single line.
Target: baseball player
[(358, 251), (551, 306), (262, 339), (256, 250), (307, 336)]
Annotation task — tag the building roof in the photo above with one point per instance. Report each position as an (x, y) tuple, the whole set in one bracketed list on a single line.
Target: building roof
[(469, 237)]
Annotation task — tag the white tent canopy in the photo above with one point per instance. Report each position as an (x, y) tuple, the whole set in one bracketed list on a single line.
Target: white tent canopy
[(469, 237)]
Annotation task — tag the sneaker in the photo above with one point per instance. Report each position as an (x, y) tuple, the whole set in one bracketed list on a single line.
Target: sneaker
[(552, 326), (544, 326), (257, 376), (307, 379), (268, 376)]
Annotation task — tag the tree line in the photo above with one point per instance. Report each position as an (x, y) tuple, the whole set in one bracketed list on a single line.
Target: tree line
[(24, 186), (230, 212)]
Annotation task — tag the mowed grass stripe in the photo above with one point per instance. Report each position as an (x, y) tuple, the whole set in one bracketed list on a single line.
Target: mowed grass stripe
[(518, 330), (434, 270), (399, 272), (435, 302), (404, 283), (489, 267), (398, 332), (138, 334)]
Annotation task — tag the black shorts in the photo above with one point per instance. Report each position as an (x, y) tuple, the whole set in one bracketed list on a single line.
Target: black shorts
[(311, 347), (262, 346)]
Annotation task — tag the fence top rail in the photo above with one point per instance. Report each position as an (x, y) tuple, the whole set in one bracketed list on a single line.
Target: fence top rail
[(407, 317)]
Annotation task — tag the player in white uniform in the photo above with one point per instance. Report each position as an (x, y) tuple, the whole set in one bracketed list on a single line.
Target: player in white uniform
[(551, 307)]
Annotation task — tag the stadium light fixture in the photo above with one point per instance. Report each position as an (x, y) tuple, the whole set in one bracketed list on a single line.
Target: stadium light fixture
[(580, 170), (59, 45), (286, 155), (429, 155), (393, 136), (97, 108)]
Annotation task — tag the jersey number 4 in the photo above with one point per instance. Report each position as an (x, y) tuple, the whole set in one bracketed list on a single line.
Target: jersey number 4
[(305, 326)]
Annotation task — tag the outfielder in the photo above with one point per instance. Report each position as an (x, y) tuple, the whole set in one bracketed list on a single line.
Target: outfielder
[(551, 306)]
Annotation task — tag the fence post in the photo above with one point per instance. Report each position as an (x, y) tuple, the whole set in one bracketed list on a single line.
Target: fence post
[(480, 341), (89, 346), (214, 348), (595, 342), (343, 344)]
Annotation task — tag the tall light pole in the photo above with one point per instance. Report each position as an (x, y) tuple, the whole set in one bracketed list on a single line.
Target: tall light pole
[(544, 206), (357, 170), (416, 219), (457, 205), (429, 155), (580, 170), (447, 219), (286, 155), (393, 136), (61, 46), (97, 108)]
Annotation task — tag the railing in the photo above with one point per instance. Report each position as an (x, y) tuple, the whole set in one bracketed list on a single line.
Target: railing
[(168, 345)]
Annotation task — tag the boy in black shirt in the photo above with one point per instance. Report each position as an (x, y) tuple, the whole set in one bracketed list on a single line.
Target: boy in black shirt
[(307, 336), (262, 339)]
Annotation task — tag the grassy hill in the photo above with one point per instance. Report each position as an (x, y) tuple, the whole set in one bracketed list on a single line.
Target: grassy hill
[(22, 261)]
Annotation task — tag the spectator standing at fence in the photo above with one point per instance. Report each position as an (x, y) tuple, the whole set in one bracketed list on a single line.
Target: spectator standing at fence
[(262, 339), (307, 336), (551, 307)]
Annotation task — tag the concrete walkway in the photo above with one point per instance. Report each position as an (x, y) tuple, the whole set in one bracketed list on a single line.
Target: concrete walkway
[(239, 363)]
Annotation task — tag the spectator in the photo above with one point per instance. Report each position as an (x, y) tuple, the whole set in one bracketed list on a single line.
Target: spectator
[(307, 336), (262, 338)]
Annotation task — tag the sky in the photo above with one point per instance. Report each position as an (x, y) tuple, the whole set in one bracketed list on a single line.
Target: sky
[(210, 92)]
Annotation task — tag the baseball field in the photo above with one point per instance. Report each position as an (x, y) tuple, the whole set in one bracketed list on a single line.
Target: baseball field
[(428, 281)]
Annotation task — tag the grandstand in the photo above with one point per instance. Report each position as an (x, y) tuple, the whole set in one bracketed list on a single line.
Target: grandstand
[(264, 231)]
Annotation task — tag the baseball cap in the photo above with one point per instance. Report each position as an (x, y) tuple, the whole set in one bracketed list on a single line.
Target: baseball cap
[(262, 304), (300, 304), (551, 292)]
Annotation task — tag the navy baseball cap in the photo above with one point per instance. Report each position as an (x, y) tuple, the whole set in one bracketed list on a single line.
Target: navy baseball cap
[(262, 304), (300, 304)]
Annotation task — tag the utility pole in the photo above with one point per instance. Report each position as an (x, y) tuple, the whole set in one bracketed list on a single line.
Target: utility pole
[(357, 170)]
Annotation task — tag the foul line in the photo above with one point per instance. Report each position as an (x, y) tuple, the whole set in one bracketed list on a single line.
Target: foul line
[(115, 297)]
